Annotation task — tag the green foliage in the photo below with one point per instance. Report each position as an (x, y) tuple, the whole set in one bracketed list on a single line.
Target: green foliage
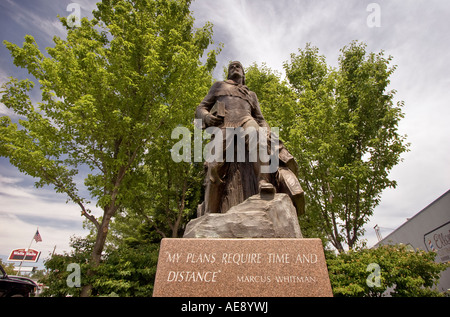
[(9, 268), (128, 271), (276, 98), (169, 195), (111, 92), (403, 272), (55, 278), (341, 126)]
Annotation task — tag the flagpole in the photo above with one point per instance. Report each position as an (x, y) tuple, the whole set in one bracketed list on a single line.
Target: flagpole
[(26, 251)]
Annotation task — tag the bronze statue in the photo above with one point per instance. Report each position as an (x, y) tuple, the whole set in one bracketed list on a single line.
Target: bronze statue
[(230, 105)]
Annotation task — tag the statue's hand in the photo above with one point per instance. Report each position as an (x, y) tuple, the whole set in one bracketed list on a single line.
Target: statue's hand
[(213, 121)]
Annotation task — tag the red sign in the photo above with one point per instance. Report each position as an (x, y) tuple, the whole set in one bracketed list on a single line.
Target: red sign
[(24, 255)]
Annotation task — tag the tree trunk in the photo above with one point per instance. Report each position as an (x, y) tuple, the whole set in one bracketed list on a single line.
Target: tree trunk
[(102, 233)]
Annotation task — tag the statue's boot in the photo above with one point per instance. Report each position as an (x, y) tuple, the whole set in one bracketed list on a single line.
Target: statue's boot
[(266, 189)]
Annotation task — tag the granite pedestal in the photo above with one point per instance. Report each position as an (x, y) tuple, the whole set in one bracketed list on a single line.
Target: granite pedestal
[(241, 268)]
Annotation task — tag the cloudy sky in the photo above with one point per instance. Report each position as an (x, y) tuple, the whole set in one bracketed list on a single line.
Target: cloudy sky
[(414, 32)]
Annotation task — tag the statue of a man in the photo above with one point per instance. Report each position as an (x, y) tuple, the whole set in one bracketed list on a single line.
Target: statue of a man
[(231, 105)]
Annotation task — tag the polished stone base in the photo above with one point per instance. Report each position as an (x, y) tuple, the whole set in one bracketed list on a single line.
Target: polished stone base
[(241, 268)]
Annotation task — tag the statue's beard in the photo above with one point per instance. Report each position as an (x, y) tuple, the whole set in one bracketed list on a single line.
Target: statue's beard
[(236, 77)]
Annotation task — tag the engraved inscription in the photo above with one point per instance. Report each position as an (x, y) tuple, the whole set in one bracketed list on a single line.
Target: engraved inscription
[(210, 276)]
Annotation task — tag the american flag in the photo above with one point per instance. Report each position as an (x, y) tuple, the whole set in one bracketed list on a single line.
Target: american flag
[(37, 236)]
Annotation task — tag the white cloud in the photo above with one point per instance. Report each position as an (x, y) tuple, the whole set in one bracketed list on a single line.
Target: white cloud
[(24, 208), (31, 19), (16, 233), (87, 6), (269, 31)]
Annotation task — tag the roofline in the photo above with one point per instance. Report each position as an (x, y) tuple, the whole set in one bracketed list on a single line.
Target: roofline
[(428, 206)]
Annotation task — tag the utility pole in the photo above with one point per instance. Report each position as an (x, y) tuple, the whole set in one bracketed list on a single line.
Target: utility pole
[(24, 256), (377, 231)]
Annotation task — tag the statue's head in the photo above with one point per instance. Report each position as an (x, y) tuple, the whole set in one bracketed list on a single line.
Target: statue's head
[(235, 70)]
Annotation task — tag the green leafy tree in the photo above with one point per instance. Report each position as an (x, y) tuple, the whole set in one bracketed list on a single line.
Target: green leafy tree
[(167, 193), (359, 147), (110, 92), (341, 126), (393, 270), (178, 189), (129, 270)]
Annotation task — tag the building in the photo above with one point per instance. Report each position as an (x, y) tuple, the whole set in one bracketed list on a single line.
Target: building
[(428, 230)]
